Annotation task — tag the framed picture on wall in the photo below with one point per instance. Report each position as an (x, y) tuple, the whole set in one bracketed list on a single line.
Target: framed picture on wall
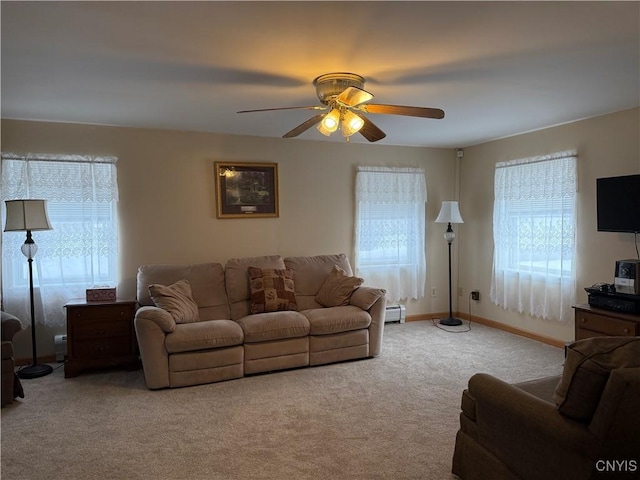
[(246, 190)]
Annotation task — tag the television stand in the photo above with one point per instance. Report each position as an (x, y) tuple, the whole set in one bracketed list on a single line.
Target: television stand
[(596, 322)]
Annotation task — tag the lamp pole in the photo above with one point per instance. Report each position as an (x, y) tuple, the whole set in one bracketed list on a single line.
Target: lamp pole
[(449, 236), (35, 370)]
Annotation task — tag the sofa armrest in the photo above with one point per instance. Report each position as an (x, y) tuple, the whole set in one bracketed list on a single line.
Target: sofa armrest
[(160, 317), (152, 325), (10, 326), (529, 434), (364, 297), (374, 301)]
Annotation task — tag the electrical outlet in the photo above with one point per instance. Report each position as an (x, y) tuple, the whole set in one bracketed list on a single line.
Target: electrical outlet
[(434, 292), (475, 295)]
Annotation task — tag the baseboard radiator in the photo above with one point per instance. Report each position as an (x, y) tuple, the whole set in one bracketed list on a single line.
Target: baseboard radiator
[(395, 313), (60, 342)]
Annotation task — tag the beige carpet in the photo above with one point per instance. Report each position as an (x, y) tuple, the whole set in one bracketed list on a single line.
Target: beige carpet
[(391, 417)]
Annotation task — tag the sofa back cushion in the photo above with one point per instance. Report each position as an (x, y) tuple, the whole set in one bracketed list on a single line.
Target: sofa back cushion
[(206, 281), (616, 421), (177, 300), (586, 371), (310, 273), (337, 288), (236, 272)]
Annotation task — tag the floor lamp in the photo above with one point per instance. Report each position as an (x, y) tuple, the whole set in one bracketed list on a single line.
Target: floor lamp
[(449, 213), (29, 215)]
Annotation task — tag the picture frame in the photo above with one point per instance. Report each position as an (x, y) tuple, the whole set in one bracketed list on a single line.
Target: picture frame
[(246, 189)]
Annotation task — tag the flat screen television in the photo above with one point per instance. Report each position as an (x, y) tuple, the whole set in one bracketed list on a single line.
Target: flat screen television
[(618, 204)]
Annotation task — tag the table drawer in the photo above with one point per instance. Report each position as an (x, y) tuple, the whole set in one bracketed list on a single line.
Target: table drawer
[(102, 348), (605, 325), (102, 312), (87, 330)]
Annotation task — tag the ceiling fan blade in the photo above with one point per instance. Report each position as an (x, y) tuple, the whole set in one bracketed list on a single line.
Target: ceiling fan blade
[(423, 112), (311, 107), (353, 96), (304, 126), (369, 130)]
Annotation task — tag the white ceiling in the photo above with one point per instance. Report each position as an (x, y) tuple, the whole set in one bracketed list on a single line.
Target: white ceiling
[(495, 68)]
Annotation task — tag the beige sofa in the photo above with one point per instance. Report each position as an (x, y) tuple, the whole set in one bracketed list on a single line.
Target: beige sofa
[(229, 341)]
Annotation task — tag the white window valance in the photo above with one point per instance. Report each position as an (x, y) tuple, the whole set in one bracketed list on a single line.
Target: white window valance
[(48, 176)]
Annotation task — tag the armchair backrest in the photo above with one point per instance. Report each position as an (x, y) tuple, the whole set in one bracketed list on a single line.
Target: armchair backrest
[(616, 421)]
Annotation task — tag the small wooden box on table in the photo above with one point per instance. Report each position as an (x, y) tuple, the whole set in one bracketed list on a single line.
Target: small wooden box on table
[(100, 335), (596, 322)]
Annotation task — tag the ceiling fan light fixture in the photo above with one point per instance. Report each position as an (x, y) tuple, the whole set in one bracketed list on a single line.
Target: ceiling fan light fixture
[(342, 94), (331, 85), (351, 123), (331, 121), (323, 130)]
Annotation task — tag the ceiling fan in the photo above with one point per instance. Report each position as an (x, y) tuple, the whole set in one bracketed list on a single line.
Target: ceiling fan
[(343, 95)]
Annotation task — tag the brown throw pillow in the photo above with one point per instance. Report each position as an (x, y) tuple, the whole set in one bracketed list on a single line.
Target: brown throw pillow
[(272, 290), (337, 288), (586, 372), (177, 300)]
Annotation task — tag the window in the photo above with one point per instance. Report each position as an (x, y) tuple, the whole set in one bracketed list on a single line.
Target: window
[(390, 230), (82, 249), (534, 223)]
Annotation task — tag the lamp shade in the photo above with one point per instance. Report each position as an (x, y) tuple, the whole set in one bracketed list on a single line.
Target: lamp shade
[(23, 215), (449, 213), (351, 123)]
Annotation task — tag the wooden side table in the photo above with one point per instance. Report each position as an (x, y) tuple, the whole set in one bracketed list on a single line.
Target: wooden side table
[(596, 322), (100, 335)]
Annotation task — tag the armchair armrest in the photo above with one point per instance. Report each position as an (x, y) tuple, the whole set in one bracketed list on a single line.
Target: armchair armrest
[(10, 326), (528, 434)]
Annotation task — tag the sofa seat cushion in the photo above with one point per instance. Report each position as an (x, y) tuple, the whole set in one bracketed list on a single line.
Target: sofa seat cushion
[(264, 327), (188, 337), (543, 388), (329, 320)]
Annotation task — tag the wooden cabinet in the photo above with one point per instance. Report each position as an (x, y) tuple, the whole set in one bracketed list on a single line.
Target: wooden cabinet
[(595, 322), (99, 335)]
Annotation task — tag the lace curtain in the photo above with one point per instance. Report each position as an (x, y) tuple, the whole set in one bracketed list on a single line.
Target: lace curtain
[(534, 219), (390, 230), (82, 249)]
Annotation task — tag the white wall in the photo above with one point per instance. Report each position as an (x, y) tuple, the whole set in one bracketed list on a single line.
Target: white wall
[(167, 201), (607, 146), (167, 197)]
